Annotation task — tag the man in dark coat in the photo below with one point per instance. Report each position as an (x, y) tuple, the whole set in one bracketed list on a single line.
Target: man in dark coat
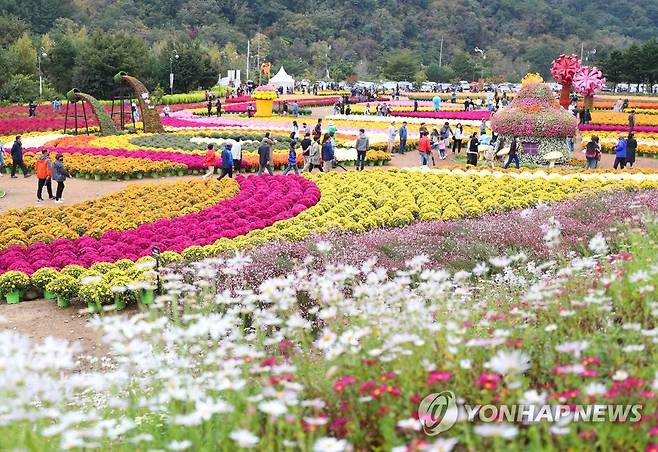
[(17, 158)]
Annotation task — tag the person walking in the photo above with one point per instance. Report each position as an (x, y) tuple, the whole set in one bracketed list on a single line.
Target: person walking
[(265, 155), (2, 158), (444, 134), (403, 138), (236, 152), (227, 162), (44, 170), (327, 153), (513, 154), (483, 127), (392, 132), (59, 175), (317, 131), (295, 108), (435, 138), (620, 153), (218, 108), (17, 158), (457, 136), (209, 160), (305, 144), (631, 121), (314, 160), (362, 144), (292, 159), (294, 135), (473, 152), (209, 106), (593, 153), (31, 108), (631, 148), (424, 149), (57, 105)]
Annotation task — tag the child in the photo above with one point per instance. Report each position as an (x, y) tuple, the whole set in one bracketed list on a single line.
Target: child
[(227, 162), (209, 161), (442, 149), (292, 159)]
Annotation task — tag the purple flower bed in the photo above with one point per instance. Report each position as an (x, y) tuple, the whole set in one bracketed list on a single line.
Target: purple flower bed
[(457, 115), (460, 244), (617, 128), (192, 161), (261, 202)]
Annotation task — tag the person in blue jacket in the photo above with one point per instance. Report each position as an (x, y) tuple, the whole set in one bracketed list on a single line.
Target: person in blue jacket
[(620, 153), (292, 159), (403, 138), (227, 162), (327, 153)]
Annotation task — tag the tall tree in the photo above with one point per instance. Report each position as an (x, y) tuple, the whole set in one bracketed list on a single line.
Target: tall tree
[(400, 66)]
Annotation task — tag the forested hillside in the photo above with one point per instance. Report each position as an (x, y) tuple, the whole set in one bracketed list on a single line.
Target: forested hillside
[(347, 36)]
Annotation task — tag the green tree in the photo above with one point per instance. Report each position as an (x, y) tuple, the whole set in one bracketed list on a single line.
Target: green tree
[(464, 66), (192, 68), (20, 88), (400, 66), (12, 28), (23, 56), (436, 73), (61, 58), (341, 70), (102, 56)]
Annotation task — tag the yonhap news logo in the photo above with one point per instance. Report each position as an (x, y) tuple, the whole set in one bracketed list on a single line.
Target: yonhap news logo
[(438, 412)]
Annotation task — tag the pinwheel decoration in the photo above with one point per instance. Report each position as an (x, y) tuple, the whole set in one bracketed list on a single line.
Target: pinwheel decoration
[(587, 82), (563, 70)]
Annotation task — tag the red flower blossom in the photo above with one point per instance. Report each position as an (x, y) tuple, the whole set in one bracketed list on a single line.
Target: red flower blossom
[(437, 375), (343, 382), (488, 381)]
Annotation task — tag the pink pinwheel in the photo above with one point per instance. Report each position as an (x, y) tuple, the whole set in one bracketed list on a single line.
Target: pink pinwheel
[(564, 68), (587, 81)]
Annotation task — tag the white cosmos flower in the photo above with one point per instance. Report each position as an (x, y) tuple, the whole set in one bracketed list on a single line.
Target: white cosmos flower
[(441, 445), (244, 438), (502, 430), (326, 340), (576, 347), (598, 245), (323, 247), (512, 363), (533, 397), (410, 424), (594, 389), (179, 445), (273, 407), (327, 444)]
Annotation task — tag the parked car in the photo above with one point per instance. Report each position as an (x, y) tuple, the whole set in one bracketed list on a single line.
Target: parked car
[(464, 85), (428, 87)]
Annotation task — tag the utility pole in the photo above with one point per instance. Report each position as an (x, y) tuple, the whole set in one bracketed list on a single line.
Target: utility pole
[(441, 52), (248, 48), (258, 60)]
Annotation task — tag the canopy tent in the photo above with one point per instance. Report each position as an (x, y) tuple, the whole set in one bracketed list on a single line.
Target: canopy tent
[(282, 79)]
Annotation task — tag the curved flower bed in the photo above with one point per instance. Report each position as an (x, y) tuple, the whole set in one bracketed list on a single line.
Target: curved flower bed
[(262, 201), (190, 161), (120, 211)]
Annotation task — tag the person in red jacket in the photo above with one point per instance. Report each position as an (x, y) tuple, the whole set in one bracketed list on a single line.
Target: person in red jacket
[(210, 160), (44, 170), (424, 149)]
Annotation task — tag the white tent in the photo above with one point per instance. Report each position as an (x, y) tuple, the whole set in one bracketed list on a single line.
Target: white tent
[(282, 79)]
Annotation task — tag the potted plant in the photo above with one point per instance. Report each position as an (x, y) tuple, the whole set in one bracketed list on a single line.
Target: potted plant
[(40, 280), (65, 287), (12, 284)]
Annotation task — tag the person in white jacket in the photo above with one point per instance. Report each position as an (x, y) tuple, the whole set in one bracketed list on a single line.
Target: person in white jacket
[(392, 132)]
